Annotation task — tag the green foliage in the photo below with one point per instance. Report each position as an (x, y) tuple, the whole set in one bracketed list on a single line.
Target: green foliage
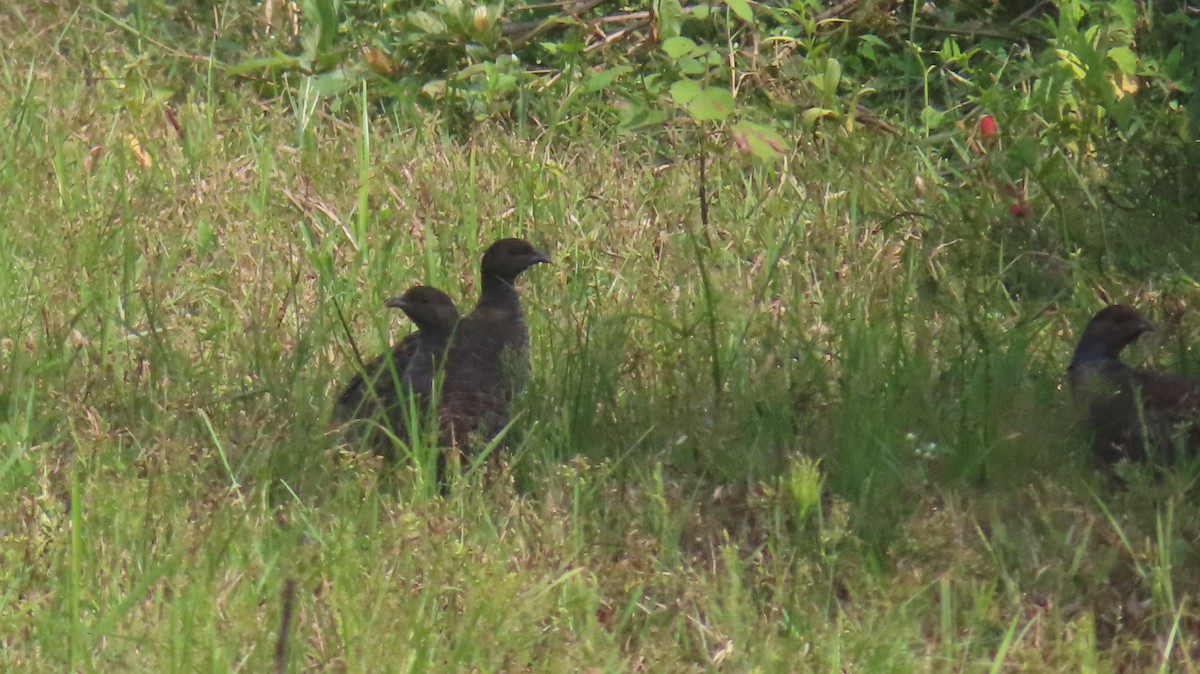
[(1056, 82)]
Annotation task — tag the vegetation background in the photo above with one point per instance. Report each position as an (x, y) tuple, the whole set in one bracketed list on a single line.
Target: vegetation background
[(797, 396)]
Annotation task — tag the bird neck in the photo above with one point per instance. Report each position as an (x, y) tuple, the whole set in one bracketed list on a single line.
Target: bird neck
[(1092, 352), (500, 293), (435, 340)]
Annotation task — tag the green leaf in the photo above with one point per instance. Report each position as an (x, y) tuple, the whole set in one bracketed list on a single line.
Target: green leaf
[(599, 81), (932, 117), (833, 76), (639, 116), (950, 50), (1127, 11), (434, 89), (670, 18), (811, 116), (1072, 61), (160, 95), (690, 66), (742, 9), (867, 50), (711, 104), (1125, 59), (321, 17), (426, 22), (331, 83), (678, 46), (762, 141), (471, 71), (683, 91)]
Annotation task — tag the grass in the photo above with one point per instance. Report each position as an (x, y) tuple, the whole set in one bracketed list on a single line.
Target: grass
[(834, 439)]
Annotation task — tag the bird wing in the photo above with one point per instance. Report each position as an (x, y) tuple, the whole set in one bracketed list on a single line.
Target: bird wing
[(372, 389), (1176, 398), (485, 367)]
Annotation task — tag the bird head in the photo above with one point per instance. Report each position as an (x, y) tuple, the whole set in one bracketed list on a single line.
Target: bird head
[(1110, 331), (507, 258), (427, 306)]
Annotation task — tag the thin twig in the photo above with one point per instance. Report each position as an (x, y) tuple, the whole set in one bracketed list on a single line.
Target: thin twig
[(704, 189), (337, 307), (1037, 7), (609, 39), (285, 626), (838, 10), (524, 31)]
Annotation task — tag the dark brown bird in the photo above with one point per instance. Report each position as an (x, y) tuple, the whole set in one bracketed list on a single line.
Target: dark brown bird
[(379, 394), (484, 366), (436, 318), (488, 363), (365, 394), (1134, 414)]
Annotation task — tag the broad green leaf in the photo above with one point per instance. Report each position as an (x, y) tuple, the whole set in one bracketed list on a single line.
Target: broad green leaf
[(762, 141), (691, 66), (1127, 11), (638, 116), (331, 83), (833, 76), (1070, 14), (678, 46), (711, 104), (321, 16), (950, 50), (932, 117), (866, 48), (683, 91), (1072, 62), (1125, 59), (742, 9), (599, 81), (160, 95), (426, 22), (670, 18), (811, 116), (434, 89)]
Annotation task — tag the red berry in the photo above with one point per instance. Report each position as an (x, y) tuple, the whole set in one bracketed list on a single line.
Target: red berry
[(987, 126)]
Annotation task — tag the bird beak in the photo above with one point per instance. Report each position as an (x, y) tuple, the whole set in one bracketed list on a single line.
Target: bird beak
[(395, 303), (539, 258), (1147, 326)]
